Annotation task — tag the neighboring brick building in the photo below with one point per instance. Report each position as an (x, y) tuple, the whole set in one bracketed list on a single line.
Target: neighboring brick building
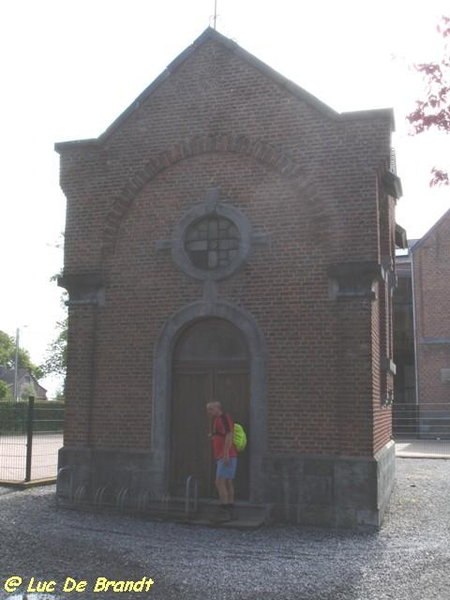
[(405, 397), (230, 236), (431, 275)]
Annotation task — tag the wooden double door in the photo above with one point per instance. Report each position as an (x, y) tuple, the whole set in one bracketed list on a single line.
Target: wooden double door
[(211, 363)]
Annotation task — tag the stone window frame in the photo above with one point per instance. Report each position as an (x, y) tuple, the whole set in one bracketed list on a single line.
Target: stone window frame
[(198, 213)]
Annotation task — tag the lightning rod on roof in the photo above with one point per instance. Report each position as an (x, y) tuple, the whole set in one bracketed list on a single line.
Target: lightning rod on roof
[(215, 14)]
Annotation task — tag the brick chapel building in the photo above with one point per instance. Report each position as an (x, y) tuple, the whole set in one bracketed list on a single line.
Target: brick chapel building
[(229, 236)]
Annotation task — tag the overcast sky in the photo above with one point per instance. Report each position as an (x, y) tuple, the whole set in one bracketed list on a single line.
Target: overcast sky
[(70, 68)]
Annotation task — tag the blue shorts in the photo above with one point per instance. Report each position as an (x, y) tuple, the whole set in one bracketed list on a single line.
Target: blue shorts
[(224, 472)]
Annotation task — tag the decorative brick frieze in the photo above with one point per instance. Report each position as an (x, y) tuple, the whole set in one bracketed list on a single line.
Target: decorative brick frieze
[(260, 150)]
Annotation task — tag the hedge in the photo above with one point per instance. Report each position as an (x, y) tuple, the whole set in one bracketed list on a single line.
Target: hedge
[(48, 417)]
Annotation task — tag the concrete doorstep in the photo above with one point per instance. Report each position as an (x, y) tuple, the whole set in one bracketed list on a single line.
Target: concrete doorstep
[(246, 515)]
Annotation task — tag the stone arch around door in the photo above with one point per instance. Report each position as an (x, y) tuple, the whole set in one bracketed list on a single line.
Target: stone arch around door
[(210, 362), (162, 391)]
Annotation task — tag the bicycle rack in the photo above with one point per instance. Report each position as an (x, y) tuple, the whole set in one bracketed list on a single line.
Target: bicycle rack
[(60, 474), (165, 502), (80, 493), (121, 498), (99, 496), (191, 480), (143, 500)]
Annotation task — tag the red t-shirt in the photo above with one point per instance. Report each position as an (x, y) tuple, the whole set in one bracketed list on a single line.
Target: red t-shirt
[(222, 425)]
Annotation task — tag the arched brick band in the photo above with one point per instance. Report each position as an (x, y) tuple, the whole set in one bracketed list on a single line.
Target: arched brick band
[(238, 144)]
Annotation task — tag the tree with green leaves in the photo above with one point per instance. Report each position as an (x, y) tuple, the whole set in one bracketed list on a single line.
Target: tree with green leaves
[(5, 394), (8, 356), (56, 357), (55, 362)]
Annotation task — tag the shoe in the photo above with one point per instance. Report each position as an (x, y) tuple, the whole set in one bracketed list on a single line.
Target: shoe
[(222, 516), (231, 513)]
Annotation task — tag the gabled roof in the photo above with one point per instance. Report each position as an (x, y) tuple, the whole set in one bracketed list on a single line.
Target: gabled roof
[(431, 231), (8, 376), (212, 34)]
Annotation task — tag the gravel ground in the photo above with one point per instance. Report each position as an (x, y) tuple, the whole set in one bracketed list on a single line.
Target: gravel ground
[(408, 559)]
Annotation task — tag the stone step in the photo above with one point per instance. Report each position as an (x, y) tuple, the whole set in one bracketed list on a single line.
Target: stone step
[(246, 515)]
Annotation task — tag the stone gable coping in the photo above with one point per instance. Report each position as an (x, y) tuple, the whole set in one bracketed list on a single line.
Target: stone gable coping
[(211, 34)]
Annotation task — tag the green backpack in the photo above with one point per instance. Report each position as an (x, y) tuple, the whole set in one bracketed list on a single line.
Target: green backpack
[(239, 437)]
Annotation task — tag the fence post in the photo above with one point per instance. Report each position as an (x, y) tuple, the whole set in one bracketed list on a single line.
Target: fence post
[(30, 423)]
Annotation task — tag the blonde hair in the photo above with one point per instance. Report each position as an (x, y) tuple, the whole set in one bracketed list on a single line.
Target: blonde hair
[(214, 404)]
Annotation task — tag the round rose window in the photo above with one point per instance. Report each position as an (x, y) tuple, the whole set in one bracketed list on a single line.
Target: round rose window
[(212, 242)]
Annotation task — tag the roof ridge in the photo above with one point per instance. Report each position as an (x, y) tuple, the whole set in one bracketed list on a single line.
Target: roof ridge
[(430, 231), (211, 34)]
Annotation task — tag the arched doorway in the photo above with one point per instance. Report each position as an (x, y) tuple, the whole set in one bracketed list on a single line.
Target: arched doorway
[(211, 361)]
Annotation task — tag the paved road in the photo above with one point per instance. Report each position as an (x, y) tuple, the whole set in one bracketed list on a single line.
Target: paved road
[(46, 446), (423, 449), (13, 451)]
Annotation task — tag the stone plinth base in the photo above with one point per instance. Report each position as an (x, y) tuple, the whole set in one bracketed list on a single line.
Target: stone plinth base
[(332, 491)]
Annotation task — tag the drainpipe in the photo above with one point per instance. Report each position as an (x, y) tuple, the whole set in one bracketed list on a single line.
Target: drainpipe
[(416, 365)]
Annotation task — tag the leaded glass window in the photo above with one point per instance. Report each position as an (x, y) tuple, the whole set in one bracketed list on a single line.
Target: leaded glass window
[(212, 242)]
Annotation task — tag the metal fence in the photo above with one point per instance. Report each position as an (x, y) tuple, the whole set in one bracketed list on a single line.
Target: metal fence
[(31, 434), (427, 425)]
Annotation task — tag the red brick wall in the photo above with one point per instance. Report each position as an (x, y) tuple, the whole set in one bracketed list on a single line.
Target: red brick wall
[(79, 382), (431, 268), (383, 382), (302, 176)]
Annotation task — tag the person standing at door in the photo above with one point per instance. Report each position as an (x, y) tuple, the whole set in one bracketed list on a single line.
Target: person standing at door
[(225, 454)]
